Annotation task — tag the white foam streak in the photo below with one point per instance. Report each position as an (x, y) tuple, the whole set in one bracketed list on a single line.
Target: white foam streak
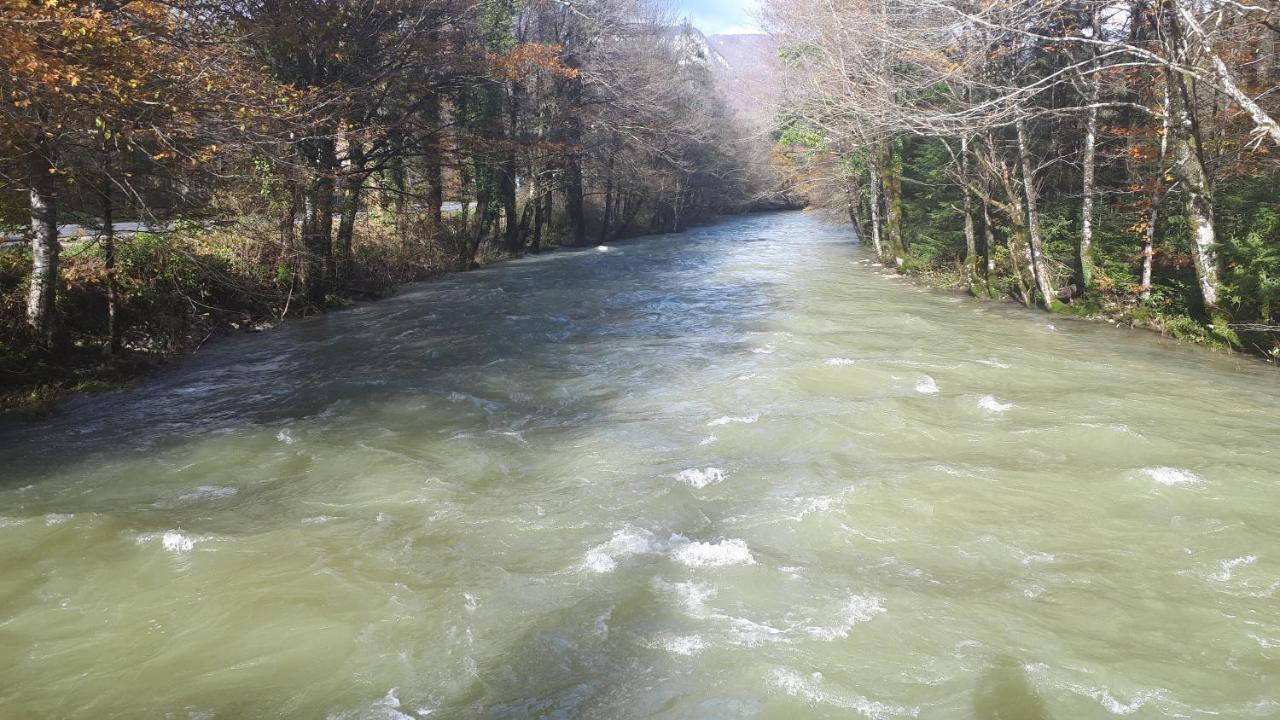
[(699, 479), (926, 385), (729, 420), (683, 644), (859, 609), (626, 542), (175, 541), (1228, 567), (990, 404), (809, 688), (713, 554), (1172, 476)]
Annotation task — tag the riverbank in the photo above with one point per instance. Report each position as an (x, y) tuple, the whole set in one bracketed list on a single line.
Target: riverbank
[(177, 292), (1124, 311)]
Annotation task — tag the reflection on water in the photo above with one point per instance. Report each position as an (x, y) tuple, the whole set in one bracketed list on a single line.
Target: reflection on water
[(730, 474)]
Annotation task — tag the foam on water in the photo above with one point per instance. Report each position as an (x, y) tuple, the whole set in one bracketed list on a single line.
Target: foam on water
[(1228, 567), (175, 541), (990, 404), (730, 419), (1172, 476), (713, 554), (682, 644), (926, 385), (691, 596), (1119, 707), (809, 506), (840, 362), (53, 519), (625, 542), (699, 479), (809, 688), (859, 609)]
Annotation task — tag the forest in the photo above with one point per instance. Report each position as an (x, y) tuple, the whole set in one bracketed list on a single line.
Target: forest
[(172, 170), (1091, 157)]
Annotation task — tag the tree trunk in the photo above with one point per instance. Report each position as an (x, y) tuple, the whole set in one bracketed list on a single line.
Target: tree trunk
[(507, 187), (988, 246), (317, 223), (895, 245), (1020, 262), (398, 176), (1039, 265), (873, 171), (42, 294), (471, 247), (433, 166), (631, 207), (854, 196), (289, 219), (107, 237), (970, 232), (352, 186), (1156, 198), (608, 202), (1086, 207), (574, 203), (677, 207), (1195, 192), (539, 215)]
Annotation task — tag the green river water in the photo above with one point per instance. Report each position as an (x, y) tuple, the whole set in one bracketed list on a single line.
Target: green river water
[(736, 473)]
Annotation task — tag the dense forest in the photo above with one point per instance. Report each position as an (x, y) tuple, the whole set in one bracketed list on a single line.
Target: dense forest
[(1083, 156), (173, 169)]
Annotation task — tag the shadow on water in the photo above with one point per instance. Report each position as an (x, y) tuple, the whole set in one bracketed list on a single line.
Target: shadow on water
[(1004, 692), (540, 315)]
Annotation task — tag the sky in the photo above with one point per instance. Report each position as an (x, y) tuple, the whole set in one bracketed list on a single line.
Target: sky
[(720, 17)]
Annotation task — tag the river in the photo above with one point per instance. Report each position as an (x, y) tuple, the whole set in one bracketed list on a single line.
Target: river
[(736, 473)]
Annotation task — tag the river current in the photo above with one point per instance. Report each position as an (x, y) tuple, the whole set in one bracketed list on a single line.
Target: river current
[(734, 473)]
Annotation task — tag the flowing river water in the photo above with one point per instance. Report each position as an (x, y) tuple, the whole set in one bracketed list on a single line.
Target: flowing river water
[(735, 473)]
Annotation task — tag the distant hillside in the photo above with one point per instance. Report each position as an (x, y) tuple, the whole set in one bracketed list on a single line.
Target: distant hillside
[(750, 76)]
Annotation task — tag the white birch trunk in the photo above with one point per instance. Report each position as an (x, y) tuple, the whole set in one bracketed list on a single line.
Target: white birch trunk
[(1157, 195), (1087, 189), (1035, 245), (42, 293), (875, 211)]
